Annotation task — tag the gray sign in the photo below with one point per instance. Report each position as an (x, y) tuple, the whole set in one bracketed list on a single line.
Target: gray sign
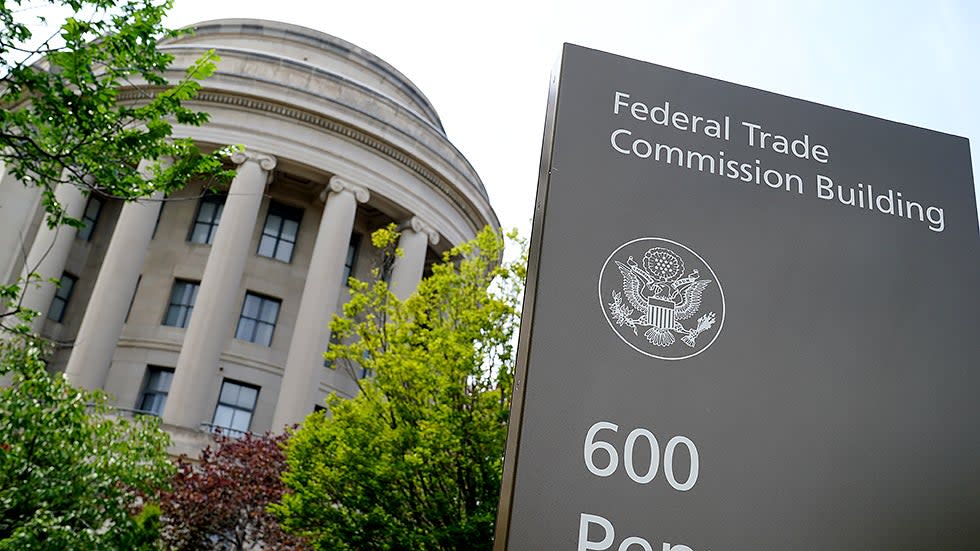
[(751, 324)]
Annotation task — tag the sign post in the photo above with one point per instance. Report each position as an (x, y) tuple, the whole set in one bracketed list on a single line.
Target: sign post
[(751, 323)]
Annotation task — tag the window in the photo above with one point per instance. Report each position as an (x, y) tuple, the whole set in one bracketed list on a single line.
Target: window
[(258, 319), (208, 216), (355, 242), (155, 390), (61, 297), (235, 406), (90, 217), (182, 298), (279, 234)]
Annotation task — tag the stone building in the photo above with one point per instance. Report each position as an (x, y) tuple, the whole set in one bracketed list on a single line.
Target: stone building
[(212, 309)]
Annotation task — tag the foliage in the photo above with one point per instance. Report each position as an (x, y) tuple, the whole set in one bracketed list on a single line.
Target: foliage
[(219, 502), (61, 118), (415, 460), (70, 473), (62, 121)]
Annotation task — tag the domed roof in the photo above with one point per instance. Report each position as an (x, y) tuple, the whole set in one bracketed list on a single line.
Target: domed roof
[(319, 79)]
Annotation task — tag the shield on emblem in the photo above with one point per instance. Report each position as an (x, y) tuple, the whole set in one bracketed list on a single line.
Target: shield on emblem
[(661, 313)]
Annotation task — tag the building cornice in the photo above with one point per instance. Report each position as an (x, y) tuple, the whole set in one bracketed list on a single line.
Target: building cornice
[(334, 127)]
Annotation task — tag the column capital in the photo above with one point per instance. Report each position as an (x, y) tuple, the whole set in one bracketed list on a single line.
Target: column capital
[(420, 226), (264, 160), (339, 185)]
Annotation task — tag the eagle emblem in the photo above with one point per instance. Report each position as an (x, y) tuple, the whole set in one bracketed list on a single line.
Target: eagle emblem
[(656, 293)]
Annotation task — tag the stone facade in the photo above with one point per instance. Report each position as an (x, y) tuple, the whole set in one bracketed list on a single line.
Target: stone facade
[(337, 143)]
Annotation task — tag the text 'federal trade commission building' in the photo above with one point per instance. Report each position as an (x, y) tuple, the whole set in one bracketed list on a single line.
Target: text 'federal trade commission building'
[(213, 309)]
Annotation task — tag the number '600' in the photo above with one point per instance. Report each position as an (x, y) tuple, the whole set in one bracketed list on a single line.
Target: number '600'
[(592, 445)]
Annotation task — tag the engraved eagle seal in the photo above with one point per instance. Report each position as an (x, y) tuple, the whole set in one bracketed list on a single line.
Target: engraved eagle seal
[(652, 289)]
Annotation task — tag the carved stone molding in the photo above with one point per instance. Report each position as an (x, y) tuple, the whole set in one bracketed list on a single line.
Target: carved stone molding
[(266, 161), (419, 226), (338, 185), (330, 125)]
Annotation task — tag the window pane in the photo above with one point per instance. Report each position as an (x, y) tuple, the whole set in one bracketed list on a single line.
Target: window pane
[(164, 380), (240, 420), (222, 416), (263, 334), (289, 229), (229, 393), (146, 403), (246, 329), (258, 319), (285, 252), (186, 317), (67, 284), (159, 402), (200, 233), (251, 307), (85, 232), (57, 310), (153, 403), (155, 391), (272, 224), (246, 397), (235, 406), (92, 208), (207, 218), (270, 311), (267, 246), (351, 255), (177, 316), (280, 229), (153, 382), (181, 305), (173, 314), (89, 218), (206, 213), (62, 294), (351, 251), (183, 292)]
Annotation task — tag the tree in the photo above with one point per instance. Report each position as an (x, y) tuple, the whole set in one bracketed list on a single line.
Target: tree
[(62, 121), (414, 461), (220, 502), (60, 118), (70, 472)]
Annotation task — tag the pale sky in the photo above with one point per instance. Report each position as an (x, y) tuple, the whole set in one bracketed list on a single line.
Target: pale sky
[(485, 66)]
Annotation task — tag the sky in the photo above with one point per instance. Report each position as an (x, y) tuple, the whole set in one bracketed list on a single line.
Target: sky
[(485, 66)]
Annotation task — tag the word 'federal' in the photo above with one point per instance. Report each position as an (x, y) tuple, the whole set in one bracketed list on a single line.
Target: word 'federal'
[(755, 135)]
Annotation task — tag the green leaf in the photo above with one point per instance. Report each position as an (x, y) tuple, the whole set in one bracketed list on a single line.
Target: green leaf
[(414, 460)]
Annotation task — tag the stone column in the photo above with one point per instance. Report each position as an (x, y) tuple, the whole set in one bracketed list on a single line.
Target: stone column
[(49, 252), (414, 241), (18, 204), (215, 306), (114, 288), (318, 304)]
